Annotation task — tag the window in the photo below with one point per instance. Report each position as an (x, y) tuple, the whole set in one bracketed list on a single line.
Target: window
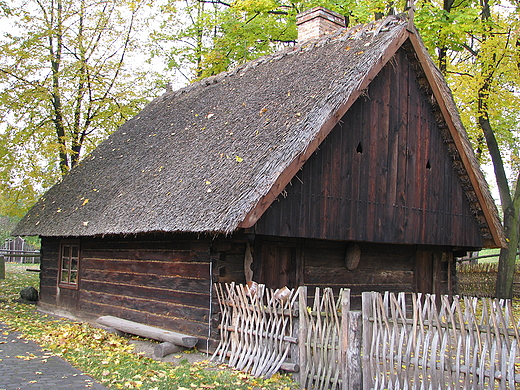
[(69, 264)]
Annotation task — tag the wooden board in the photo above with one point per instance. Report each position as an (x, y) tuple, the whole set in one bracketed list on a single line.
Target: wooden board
[(383, 174)]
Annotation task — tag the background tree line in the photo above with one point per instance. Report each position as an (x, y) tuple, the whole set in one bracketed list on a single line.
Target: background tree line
[(72, 71)]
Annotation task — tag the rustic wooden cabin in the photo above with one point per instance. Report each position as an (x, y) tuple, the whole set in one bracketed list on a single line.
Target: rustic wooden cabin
[(341, 161)]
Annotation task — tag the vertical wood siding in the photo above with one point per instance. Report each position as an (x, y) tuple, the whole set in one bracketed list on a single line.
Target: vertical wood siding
[(383, 175)]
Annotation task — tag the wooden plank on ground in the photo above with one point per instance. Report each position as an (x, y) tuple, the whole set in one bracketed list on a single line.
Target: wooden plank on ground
[(148, 331)]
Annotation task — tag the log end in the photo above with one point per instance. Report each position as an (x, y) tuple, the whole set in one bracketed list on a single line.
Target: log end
[(190, 342), (164, 349)]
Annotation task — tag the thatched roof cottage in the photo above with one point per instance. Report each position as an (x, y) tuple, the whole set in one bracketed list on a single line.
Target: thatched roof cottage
[(341, 162)]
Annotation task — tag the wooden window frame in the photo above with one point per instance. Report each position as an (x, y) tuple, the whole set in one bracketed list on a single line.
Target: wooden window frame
[(69, 264)]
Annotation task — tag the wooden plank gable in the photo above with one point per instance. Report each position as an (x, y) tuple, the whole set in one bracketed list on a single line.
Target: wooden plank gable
[(382, 175)]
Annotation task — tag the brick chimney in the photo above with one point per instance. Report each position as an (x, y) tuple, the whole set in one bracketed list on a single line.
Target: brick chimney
[(317, 22)]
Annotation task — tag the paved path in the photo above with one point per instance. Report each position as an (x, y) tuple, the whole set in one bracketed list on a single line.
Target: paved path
[(24, 366)]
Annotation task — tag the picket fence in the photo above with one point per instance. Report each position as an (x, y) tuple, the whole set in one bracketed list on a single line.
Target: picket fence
[(397, 341)]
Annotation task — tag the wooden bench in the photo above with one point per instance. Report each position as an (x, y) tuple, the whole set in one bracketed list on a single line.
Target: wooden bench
[(170, 339)]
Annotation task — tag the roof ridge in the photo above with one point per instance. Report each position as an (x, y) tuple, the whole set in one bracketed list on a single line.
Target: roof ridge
[(356, 32)]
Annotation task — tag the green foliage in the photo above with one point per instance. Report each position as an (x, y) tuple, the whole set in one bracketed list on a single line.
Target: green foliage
[(7, 224), (65, 85), (109, 358), (203, 38)]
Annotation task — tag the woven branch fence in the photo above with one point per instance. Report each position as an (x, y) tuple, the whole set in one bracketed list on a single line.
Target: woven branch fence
[(398, 341), (452, 344), (256, 328), (479, 280)]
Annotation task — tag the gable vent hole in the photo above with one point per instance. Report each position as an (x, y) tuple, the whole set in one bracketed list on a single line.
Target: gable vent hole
[(428, 165), (359, 148)]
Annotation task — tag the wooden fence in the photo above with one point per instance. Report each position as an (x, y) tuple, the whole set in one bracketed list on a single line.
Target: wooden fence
[(479, 280), (256, 328), (19, 251), (398, 341), (452, 344)]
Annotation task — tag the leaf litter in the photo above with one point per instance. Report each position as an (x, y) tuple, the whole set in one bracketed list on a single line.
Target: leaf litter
[(111, 359)]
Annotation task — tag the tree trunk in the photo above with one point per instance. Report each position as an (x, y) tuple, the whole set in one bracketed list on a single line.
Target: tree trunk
[(56, 38), (507, 260), (510, 204), (443, 47), (510, 207)]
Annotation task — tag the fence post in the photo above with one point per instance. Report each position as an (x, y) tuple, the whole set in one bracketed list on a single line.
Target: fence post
[(302, 334), (355, 327), (344, 340), (295, 348), (2, 267), (368, 318)]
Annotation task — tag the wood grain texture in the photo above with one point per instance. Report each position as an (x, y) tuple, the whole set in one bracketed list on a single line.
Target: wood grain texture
[(147, 331), (161, 280), (383, 174)]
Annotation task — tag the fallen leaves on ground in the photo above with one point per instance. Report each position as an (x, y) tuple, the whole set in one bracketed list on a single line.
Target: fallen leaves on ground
[(109, 358)]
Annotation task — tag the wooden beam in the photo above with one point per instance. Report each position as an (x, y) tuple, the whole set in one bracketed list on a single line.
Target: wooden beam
[(147, 331), (286, 176), (166, 348), (355, 329)]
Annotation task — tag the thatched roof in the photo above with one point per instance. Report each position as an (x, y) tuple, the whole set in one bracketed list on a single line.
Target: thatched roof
[(206, 158)]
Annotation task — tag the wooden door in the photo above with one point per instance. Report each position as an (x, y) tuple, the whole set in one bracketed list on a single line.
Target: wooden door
[(280, 264)]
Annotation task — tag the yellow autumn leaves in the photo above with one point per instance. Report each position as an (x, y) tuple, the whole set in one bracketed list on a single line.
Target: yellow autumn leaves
[(109, 358)]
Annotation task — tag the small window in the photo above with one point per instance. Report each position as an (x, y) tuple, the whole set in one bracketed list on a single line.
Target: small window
[(69, 265)]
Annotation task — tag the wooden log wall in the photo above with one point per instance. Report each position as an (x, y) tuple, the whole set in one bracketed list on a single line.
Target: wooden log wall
[(384, 174), (165, 280), (230, 253), (49, 271), (381, 267), (158, 280)]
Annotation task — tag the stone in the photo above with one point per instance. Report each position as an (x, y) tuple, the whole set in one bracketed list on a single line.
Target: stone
[(29, 294)]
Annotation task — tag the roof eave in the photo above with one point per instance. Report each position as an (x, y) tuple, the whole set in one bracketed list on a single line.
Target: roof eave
[(498, 239)]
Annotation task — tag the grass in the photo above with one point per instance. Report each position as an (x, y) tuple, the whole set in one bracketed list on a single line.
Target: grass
[(487, 252), (109, 358)]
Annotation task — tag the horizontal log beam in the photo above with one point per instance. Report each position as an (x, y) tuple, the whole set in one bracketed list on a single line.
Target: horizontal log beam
[(148, 331), (289, 339)]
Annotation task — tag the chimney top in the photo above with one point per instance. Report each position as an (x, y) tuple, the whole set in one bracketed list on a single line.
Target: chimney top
[(318, 22)]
